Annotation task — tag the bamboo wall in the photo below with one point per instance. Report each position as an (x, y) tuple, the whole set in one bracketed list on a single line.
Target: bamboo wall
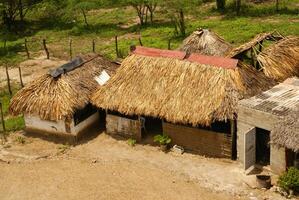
[(200, 141), (123, 127)]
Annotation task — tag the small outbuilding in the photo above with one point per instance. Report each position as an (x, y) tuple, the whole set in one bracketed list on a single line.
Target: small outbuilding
[(280, 61), (205, 42), (58, 103), (191, 98), (268, 127)]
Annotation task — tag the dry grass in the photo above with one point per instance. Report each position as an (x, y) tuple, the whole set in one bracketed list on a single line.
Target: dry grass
[(257, 40), (205, 42), (285, 133), (56, 99), (281, 60), (179, 91)]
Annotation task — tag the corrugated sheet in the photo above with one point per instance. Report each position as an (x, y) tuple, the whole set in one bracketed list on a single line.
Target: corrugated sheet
[(280, 100)]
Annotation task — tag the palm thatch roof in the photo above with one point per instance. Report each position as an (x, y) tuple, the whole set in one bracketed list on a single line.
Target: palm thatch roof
[(169, 85), (257, 40), (286, 132), (281, 60), (206, 42), (58, 98)]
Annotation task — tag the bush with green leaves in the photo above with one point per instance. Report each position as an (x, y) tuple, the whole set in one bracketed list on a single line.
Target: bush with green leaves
[(290, 180), (162, 139), (131, 142)]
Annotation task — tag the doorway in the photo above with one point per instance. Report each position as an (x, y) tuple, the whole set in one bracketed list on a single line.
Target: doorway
[(152, 127), (262, 147)]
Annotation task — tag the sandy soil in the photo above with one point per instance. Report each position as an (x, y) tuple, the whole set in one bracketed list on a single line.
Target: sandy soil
[(105, 168), (31, 69)]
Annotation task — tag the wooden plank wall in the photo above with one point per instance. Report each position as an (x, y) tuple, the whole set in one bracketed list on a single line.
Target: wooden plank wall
[(200, 141), (123, 127)]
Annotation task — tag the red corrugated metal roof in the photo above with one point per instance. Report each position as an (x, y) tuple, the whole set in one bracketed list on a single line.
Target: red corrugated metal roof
[(198, 58), (145, 51), (213, 60)]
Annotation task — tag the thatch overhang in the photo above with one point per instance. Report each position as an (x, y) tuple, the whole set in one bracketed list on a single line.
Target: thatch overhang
[(58, 98), (179, 88), (286, 132), (257, 40), (281, 60), (206, 42)]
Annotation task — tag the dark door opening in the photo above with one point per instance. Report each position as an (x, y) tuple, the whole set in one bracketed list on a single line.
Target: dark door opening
[(152, 127), (102, 120), (262, 147)]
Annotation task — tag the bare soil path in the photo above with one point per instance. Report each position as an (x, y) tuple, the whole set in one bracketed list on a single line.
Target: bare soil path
[(105, 168)]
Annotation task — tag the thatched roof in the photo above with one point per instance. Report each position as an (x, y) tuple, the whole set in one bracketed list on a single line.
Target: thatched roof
[(58, 98), (286, 132), (281, 60), (205, 42), (257, 40), (169, 85)]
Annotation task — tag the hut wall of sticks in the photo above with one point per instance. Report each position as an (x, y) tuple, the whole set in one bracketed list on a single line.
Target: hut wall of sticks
[(276, 112), (164, 85), (58, 103)]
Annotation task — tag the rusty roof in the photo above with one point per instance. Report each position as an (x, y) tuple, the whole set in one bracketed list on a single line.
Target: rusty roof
[(280, 100), (216, 61)]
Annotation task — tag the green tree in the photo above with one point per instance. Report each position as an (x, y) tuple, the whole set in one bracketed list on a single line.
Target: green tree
[(83, 6)]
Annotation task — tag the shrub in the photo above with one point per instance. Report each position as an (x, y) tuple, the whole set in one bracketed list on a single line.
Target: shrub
[(162, 139), (290, 180), (131, 142)]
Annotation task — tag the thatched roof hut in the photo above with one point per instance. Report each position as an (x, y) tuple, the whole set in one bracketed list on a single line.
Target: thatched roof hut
[(286, 132), (281, 60), (180, 88), (58, 98), (257, 40), (206, 42)]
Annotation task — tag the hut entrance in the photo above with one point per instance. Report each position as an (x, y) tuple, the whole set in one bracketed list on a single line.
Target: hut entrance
[(292, 159), (262, 147), (152, 127)]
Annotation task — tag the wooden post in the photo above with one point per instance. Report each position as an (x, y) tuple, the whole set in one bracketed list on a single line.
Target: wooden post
[(116, 46), (2, 117), (20, 75), (140, 42), (233, 130), (93, 46), (8, 80), (26, 49), (46, 49), (71, 51), (169, 45)]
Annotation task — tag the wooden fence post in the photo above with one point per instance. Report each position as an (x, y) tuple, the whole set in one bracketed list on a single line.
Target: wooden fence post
[(26, 49), (8, 80), (116, 46), (71, 51), (46, 49), (140, 42), (169, 45), (93, 46), (20, 75), (2, 118)]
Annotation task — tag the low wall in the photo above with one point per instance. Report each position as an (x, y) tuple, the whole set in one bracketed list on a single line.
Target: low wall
[(123, 127), (75, 130), (33, 122), (204, 142)]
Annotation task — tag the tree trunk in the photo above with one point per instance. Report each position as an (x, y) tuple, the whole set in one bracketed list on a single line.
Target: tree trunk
[(21, 13), (238, 6), (85, 18), (182, 22), (277, 5), (220, 5)]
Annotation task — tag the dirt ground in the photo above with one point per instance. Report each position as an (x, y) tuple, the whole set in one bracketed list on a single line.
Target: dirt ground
[(106, 168)]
